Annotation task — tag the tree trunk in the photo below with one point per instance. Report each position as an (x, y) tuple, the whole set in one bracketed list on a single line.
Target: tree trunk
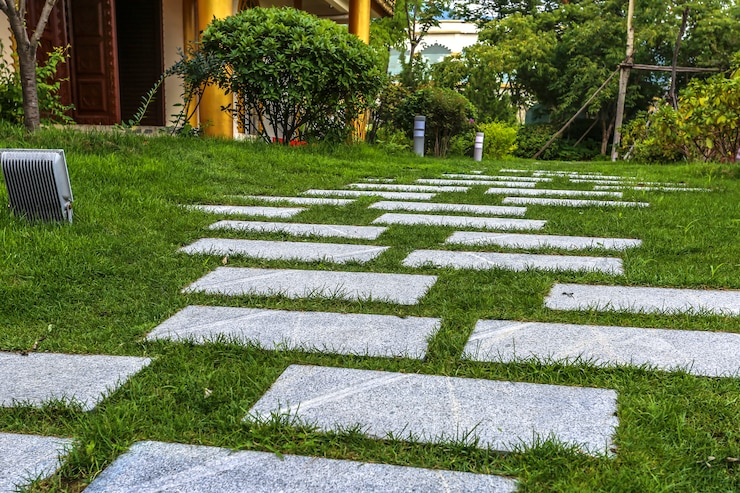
[(27, 64)]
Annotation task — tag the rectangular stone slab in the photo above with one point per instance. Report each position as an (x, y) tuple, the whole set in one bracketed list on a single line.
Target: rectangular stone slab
[(373, 193), (299, 200), (404, 289), (491, 210), (249, 210), (513, 184), (575, 174), (650, 188), (460, 221), (709, 354), (643, 299), (24, 458), (155, 467), (406, 188), (549, 192), (286, 250), (513, 240), (299, 229), (335, 333), (38, 378), (495, 177), (571, 202), (512, 261), (439, 409)]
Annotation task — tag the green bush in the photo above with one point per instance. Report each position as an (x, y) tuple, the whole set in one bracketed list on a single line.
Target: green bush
[(531, 138), (499, 139)]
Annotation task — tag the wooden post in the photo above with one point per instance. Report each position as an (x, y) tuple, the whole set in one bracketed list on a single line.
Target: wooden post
[(624, 76)]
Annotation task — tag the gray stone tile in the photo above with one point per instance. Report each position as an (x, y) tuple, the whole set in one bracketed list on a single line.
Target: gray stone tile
[(513, 240), (299, 200), (512, 184), (710, 354), (299, 229), (406, 188), (440, 409), (571, 202), (548, 192), (404, 289), (509, 170), (25, 458), (286, 250), (490, 210), (372, 193), (496, 177), (38, 378), (643, 299), (460, 221), (335, 333), (651, 188), (154, 467), (512, 261), (575, 174), (249, 210)]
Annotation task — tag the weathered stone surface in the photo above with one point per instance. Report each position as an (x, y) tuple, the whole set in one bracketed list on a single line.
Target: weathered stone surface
[(495, 177), (512, 261), (490, 210), (571, 202), (406, 188), (300, 200), (513, 184), (710, 354), (643, 299), (548, 192), (372, 193), (299, 229), (38, 378), (460, 221), (154, 467), (651, 188), (249, 210), (404, 289), (336, 333), (439, 409), (514, 240), (24, 458)]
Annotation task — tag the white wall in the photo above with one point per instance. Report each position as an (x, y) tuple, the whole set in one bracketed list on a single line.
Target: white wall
[(5, 39)]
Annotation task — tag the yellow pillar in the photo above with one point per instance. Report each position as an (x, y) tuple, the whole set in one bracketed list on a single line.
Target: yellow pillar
[(359, 19), (214, 121), (189, 35)]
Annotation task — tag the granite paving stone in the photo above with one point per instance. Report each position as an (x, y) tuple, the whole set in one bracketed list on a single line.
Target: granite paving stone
[(571, 202), (490, 210), (441, 409), (575, 174), (25, 458), (549, 192), (373, 193), (512, 184), (643, 299), (404, 289), (650, 188), (249, 210), (286, 250), (299, 229), (37, 378), (407, 188), (154, 467), (460, 221), (710, 354), (514, 240), (298, 200), (512, 261), (496, 177), (336, 333)]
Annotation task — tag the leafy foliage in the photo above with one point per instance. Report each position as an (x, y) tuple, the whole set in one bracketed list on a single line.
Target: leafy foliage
[(499, 139)]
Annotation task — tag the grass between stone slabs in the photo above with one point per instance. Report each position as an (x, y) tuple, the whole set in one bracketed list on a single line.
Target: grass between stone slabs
[(100, 285)]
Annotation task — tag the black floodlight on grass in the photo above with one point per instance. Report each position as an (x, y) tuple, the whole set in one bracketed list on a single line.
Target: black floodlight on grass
[(38, 183)]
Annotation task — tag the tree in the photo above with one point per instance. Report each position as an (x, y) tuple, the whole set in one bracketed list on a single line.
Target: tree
[(417, 18), (26, 47)]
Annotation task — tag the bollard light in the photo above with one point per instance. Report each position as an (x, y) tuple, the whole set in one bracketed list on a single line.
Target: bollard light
[(478, 147), (419, 126)]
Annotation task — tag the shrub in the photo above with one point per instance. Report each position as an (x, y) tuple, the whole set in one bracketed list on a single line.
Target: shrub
[(531, 138), (499, 139)]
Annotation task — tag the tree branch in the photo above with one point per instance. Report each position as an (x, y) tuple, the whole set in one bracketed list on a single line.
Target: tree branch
[(45, 13)]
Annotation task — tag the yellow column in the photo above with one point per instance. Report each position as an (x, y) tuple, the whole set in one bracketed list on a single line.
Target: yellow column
[(214, 121), (189, 35), (359, 19)]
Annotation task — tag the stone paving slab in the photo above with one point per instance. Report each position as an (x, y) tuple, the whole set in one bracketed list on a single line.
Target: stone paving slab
[(492, 210), (154, 467), (439, 409), (300, 229), (575, 174), (495, 177), (286, 250), (249, 210), (25, 458), (404, 289), (512, 261), (509, 170), (571, 202), (710, 354), (299, 200), (407, 188), (643, 299), (549, 192), (512, 184), (86, 380), (513, 240), (650, 188), (336, 333), (372, 193), (460, 221)]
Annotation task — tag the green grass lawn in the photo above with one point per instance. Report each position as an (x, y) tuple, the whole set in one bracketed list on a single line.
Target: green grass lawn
[(100, 285)]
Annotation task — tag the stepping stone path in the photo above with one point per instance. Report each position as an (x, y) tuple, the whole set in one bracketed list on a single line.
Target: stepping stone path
[(298, 229), (438, 409), (460, 221), (248, 210), (373, 193), (406, 188), (570, 202), (494, 177), (513, 240), (548, 192), (153, 467), (336, 333), (484, 210), (709, 354), (25, 458), (513, 184), (299, 200), (286, 250), (650, 188)]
